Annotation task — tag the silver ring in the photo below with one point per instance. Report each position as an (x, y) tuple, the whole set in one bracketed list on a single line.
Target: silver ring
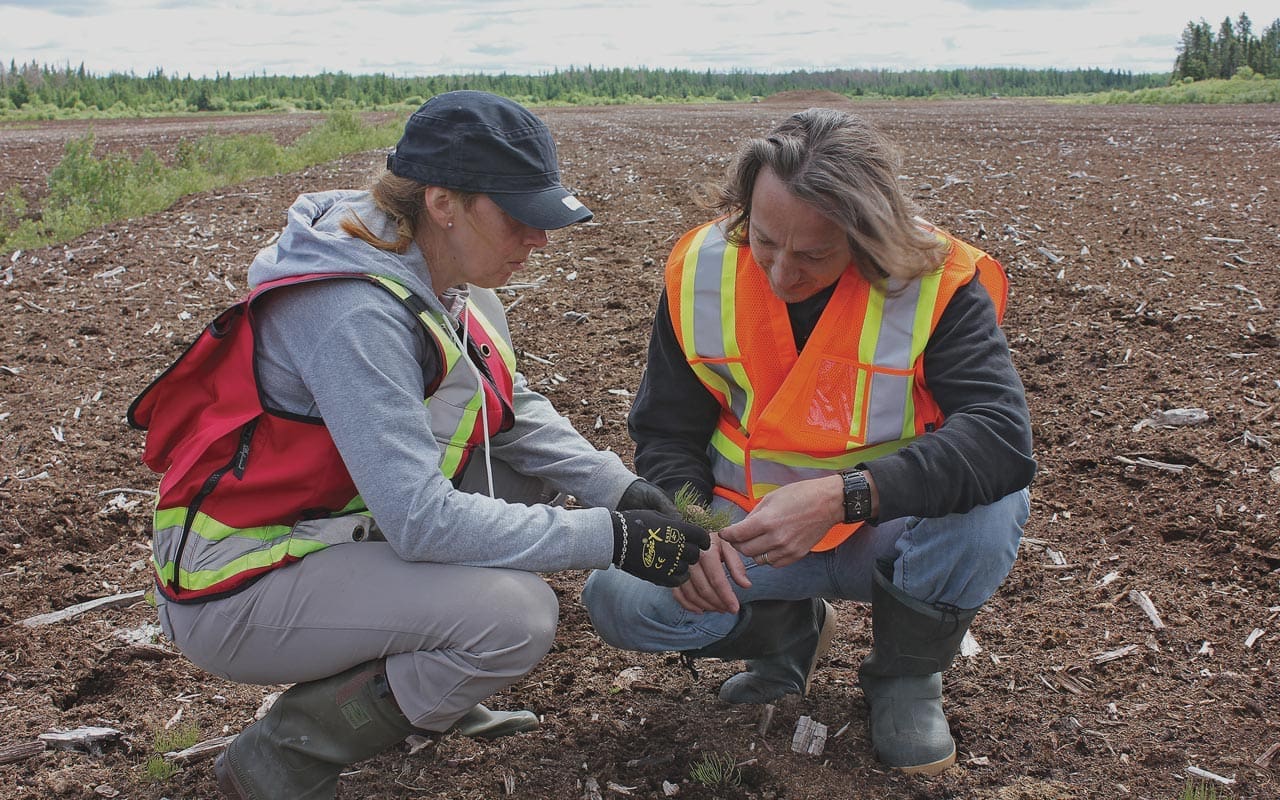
[(764, 559)]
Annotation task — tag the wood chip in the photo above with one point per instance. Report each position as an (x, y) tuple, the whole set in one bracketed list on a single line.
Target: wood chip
[(1263, 760), (766, 718), (12, 753), (810, 738), (1112, 655), (89, 738), (1141, 600), (1254, 636)]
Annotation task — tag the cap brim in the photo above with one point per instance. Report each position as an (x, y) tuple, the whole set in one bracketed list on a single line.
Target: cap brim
[(546, 210)]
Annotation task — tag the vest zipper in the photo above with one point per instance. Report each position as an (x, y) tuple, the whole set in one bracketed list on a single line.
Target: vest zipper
[(236, 465)]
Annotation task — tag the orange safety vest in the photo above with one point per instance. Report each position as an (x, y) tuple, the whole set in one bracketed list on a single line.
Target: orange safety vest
[(247, 490), (856, 392)]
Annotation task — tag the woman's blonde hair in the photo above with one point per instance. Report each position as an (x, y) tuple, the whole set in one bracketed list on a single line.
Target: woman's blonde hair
[(402, 199), (842, 166)]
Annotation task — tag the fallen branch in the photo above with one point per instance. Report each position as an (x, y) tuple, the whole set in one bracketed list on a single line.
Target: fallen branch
[(1146, 462), (114, 601), (1210, 776), (201, 750)]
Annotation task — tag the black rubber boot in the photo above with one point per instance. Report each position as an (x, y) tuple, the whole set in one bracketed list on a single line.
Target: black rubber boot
[(781, 641), (310, 734), (902, 677)]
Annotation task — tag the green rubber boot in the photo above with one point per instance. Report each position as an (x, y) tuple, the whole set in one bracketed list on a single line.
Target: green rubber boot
[(781, 641), (902, 678), (482, 723), (310, 734)]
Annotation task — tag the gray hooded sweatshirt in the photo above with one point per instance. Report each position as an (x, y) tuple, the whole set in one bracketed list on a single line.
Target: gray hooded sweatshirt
[(350, 353)]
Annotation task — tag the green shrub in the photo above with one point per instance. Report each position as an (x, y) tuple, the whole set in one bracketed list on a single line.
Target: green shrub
[(86, 191)]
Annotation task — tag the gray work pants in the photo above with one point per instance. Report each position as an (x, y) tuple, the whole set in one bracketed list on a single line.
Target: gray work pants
[(452, 635)]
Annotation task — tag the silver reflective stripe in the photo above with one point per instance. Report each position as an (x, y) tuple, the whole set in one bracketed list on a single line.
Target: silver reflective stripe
[(889, 394), (713, 290), (338, 530)]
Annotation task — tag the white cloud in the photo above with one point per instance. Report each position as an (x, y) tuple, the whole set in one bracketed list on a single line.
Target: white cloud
[(412, 37)]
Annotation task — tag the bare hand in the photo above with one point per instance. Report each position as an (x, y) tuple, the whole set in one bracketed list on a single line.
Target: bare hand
[(789, 521), (708, 587)]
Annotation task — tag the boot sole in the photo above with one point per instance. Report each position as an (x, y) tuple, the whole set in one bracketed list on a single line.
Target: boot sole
[(930, 770), (825, 635), (227, 782)]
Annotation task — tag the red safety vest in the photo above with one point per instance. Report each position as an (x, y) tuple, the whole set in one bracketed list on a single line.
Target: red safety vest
[(245, 490), (857, 391)]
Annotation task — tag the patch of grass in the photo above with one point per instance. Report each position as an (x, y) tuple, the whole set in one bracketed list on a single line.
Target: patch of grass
[(157, 769), (716, 771), (1200, 790), (689, 505), (86, 191), (1235, 90)]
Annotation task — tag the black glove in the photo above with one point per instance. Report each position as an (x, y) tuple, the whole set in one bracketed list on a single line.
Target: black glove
[(655, 547), (642, 495)]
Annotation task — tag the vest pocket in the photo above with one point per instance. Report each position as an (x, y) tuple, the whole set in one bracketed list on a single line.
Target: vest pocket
[(836, 412)]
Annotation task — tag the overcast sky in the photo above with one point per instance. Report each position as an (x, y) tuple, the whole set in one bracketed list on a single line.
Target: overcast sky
[(426, 37)]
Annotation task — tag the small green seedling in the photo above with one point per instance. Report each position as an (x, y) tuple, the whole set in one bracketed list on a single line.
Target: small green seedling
[(693, 512), (716, 771), (1199, 790), (158, 769)]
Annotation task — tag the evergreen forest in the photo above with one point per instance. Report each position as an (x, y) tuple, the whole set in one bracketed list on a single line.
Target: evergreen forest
[(42, 90)]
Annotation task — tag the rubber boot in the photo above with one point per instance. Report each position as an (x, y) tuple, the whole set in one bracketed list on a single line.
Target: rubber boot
[(902, 677), (307, 737), (482, 723), (781, 641)]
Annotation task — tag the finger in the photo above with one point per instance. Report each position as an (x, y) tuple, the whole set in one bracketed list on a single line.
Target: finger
[(691, 601), (737, 570), (701, 590), (723, 597), (682, 597)]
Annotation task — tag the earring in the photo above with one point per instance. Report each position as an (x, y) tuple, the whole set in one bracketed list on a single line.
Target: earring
[(448, 224)]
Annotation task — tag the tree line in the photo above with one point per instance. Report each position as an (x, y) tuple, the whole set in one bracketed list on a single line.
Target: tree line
[(77, 89), (1235, 50)]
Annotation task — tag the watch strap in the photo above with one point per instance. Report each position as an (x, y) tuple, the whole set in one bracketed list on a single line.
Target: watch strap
[(857, 496)]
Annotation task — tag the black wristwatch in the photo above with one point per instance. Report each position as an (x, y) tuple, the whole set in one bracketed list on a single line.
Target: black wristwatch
[(857, 496)]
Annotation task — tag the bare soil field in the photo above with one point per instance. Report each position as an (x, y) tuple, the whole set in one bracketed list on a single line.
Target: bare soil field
[(1143, 249)]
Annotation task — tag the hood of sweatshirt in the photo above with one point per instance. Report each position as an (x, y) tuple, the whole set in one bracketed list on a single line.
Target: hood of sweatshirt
[(313, 241)]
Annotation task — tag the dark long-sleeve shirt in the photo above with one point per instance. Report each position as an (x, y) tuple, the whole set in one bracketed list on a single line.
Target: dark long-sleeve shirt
[(981, 453)]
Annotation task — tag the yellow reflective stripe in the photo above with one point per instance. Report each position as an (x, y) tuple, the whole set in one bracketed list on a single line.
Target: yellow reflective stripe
[(727, 448), (689, 285), (729, 329), (203, 579), (856, 432), (209, 528), (921, 329), (688, 314), (451, 348)]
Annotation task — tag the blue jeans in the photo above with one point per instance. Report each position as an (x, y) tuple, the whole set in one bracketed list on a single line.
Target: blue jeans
[(958, 560)]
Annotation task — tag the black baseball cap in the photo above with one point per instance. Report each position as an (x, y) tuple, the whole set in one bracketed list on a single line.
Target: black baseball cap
[(482, 142)]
